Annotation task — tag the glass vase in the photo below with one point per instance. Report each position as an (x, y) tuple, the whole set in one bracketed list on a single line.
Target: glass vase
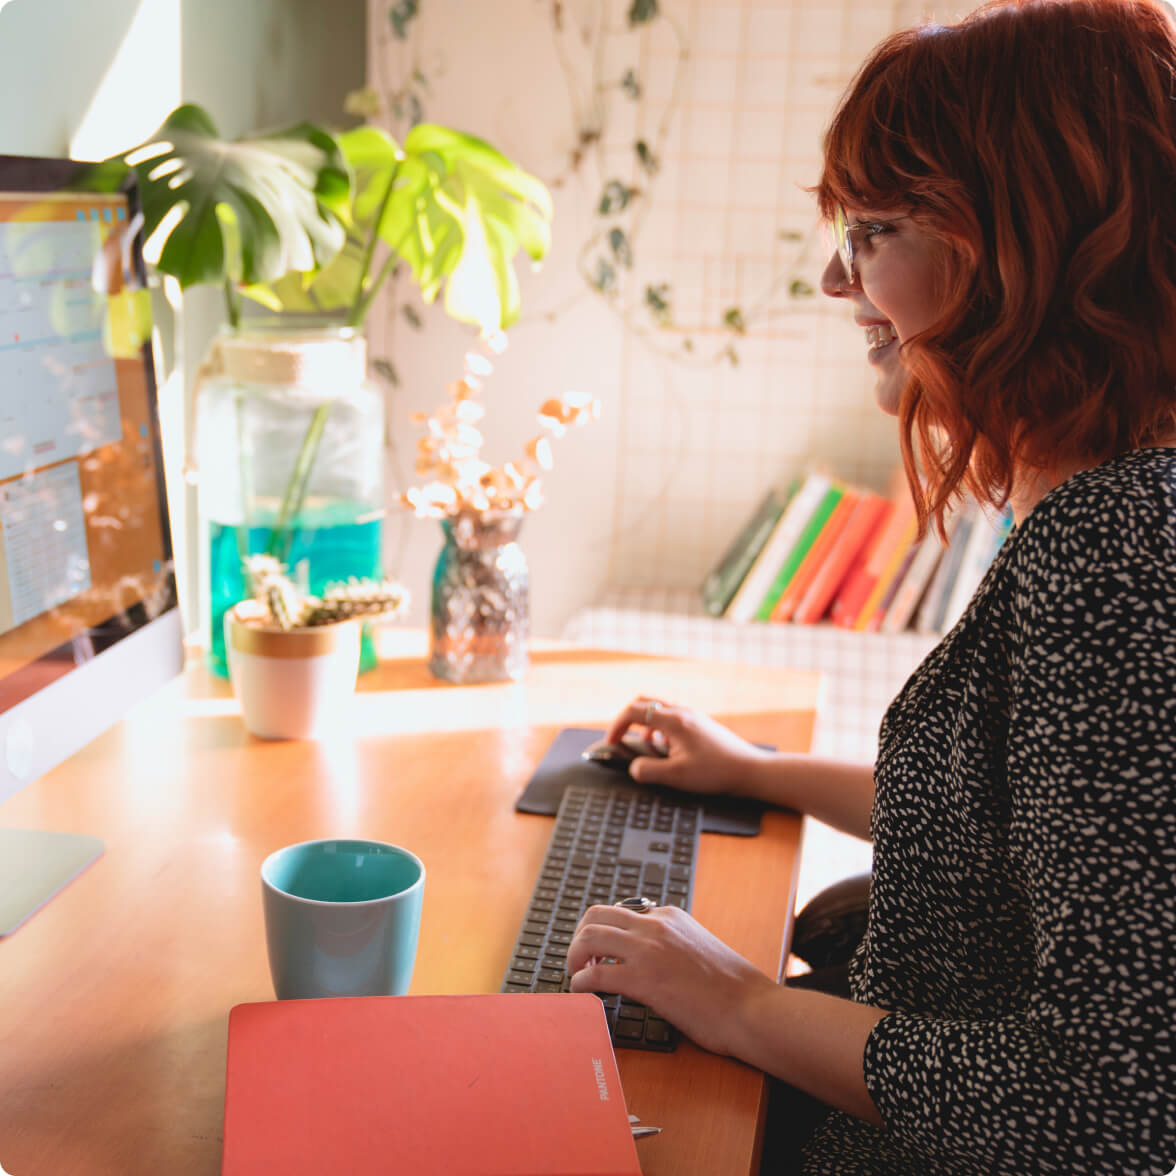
[(480, 608), (290, 459)]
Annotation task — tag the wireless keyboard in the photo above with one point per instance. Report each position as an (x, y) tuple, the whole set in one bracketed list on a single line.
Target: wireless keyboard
[(612, 840)]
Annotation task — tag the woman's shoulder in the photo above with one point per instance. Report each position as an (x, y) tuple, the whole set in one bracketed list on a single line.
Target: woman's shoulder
[(1120, 512)]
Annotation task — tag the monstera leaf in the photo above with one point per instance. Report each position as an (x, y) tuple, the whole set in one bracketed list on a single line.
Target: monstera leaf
[(500, 209), (450, 206), (248, 211)]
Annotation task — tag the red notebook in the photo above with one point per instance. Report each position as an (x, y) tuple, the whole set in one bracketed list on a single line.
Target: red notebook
[(486, 1085)]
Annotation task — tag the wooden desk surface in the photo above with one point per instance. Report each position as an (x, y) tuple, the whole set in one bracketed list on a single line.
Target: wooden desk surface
[(114, 998)]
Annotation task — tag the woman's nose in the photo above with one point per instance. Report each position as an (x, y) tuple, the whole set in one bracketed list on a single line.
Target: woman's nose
[(833, 280)]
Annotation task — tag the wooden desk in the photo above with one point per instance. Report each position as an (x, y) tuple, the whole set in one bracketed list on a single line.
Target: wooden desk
[(114, 998)]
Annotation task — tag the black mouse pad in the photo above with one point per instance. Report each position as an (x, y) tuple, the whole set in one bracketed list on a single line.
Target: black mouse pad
[(562, 764)]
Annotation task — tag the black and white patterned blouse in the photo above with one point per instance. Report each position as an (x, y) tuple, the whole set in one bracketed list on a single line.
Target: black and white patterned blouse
[(1022, 925)]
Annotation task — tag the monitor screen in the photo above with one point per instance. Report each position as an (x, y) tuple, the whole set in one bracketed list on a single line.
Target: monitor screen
[(88, 613)]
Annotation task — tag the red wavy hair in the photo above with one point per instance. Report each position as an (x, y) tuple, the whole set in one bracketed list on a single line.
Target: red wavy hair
[(1035, 143)]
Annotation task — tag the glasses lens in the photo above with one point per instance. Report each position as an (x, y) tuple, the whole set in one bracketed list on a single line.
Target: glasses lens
[(844, 242)]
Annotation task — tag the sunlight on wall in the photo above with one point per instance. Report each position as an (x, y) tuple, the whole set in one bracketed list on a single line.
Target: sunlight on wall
[(141, 86)]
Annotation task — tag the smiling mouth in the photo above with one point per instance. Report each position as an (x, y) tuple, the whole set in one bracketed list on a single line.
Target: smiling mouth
[(879, 335)]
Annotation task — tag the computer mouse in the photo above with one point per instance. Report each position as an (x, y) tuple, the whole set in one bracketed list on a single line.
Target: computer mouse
[(620, 755)]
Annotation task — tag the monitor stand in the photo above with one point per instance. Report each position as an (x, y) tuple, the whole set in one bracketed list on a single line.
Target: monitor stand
[(35, 865)]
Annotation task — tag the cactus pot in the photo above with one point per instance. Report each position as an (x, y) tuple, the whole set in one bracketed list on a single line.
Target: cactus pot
[(291, 683)]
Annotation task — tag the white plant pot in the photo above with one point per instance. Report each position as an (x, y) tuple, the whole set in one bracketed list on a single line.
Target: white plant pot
[(291, 683)]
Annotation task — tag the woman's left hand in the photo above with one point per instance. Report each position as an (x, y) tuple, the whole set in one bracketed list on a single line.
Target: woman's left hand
[(670, 962)]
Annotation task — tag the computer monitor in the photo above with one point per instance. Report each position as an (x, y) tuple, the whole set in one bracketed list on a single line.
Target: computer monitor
[(89, 620)]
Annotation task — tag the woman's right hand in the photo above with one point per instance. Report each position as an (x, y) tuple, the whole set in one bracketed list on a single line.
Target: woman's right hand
[(701, 754)]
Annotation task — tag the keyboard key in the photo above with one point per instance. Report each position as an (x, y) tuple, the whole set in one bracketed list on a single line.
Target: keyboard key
[(657, 1030)]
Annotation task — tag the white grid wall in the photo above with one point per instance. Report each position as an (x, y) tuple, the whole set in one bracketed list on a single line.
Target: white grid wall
[(700, 440)]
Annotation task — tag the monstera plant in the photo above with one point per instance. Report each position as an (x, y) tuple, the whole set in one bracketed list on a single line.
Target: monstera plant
[(450, 206), (306, 221)]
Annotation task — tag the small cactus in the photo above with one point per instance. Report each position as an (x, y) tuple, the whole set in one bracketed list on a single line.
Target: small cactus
[(355, 598), (282, 601), (290, 609)]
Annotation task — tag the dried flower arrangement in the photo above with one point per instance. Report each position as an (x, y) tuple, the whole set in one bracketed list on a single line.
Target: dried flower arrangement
[(280, 603), (449, 454)]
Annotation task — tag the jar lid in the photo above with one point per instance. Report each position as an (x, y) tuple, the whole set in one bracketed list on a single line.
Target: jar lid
[(301, 359)]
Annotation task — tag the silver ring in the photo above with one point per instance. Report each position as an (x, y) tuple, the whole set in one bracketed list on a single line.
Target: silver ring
[(650, 707), (639, 906)]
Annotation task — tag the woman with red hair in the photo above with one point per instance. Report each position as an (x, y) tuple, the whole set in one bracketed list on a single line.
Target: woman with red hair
[(1003, 196)]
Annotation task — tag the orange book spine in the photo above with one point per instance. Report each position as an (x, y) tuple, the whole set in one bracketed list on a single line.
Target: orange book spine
[(863, 523), (859, 579), (888, 558), (874, 622), (791, 597)]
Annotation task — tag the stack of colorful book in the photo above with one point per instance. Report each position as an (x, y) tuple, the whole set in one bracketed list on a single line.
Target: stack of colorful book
[(824, 550)]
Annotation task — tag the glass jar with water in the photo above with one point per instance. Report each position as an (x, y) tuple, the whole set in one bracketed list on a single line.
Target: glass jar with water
[(289, 446)]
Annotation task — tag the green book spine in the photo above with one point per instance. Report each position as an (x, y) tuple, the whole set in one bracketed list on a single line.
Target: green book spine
[(723, 582), (788, 569)]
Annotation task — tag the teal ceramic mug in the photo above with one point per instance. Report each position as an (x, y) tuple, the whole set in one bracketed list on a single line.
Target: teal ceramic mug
[(342, 918)]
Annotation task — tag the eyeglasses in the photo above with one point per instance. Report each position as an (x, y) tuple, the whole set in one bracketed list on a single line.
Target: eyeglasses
[(843, 237)]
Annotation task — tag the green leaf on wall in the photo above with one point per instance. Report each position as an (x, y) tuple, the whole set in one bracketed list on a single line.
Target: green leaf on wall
[(645, 156), (386, 370), (619, 244), (401, 15), (733, 320), (605, 277), (615, 198), (657, 302), (642, 11)]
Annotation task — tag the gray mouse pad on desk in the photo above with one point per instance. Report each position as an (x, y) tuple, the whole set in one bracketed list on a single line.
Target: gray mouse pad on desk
[(562, 765)]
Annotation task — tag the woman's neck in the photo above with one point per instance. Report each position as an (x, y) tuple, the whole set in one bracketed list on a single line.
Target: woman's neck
[(1029, 489)]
